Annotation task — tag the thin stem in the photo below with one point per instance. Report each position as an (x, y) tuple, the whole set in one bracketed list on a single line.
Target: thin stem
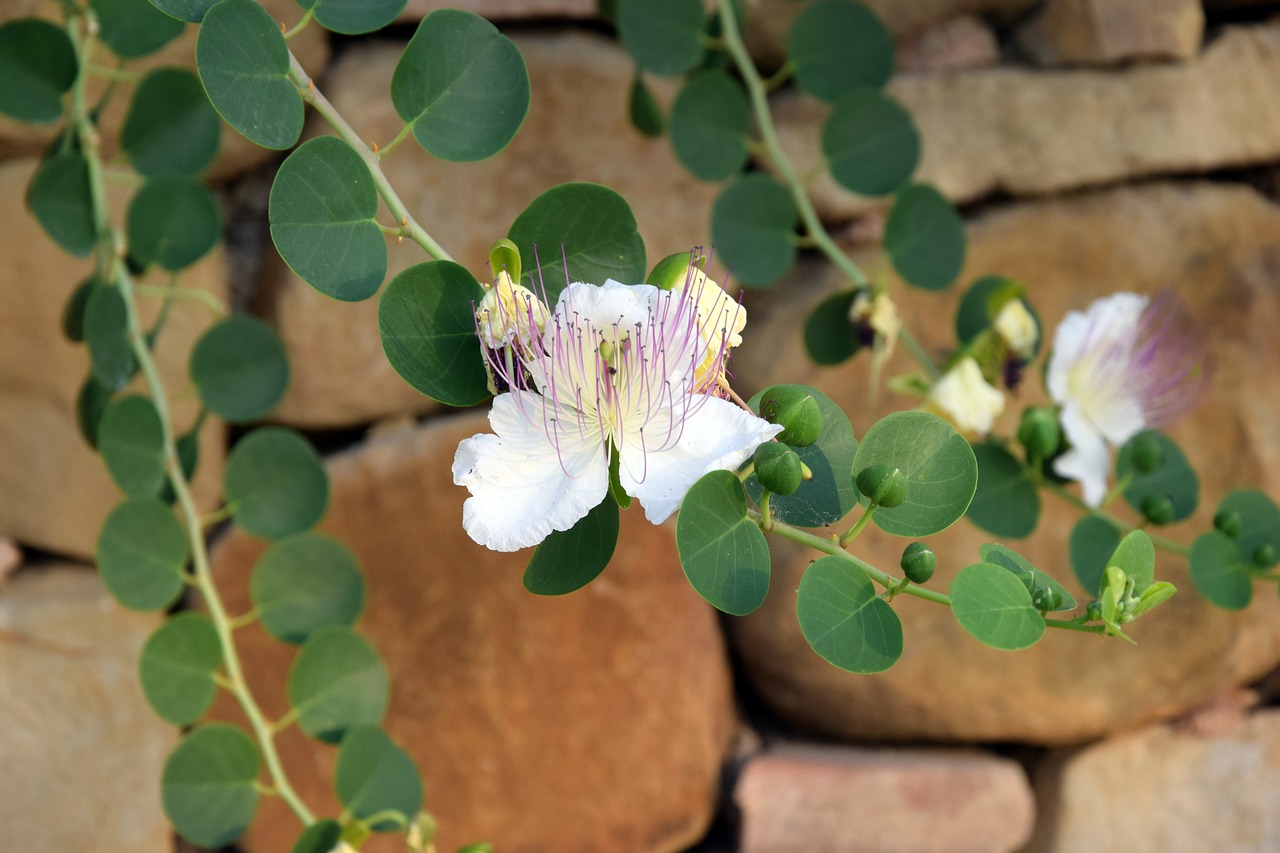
[(290, 717), (1161, 542), (747, 471), (766, 518), (390, 146), (170, 292), (852, 533), (1115, 491), (917, 352), (300, 26), (1072, 625), (119, 75), (244, 619), (780, 77)]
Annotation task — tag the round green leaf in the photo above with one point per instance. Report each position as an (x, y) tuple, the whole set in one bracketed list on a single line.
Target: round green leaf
[(1032, 578), (192, 11), (1220, 572), (1006, 502), (1093, 541), (244, 64), (59, 198), (38, 65), (240, 368), (337, 682), (171, 128), (275, 483), (73, 311), (323, 213), (830, 494), (837, 46), (134, 28), (106, 333), (830, 337), (208, 785), (844, 620), (462, 85), (1136, 557), (663, 36), (131, 441), (643, 109), (570, 559), (141, 552), (710, 123), (724, 554), (753, 227), (374, 775), (353, 17), (1259, 520), (870, 142), (320, 837), (173, 221), (177, 666), (585, 227), (91, 402), (994, 606), (304, 583), (427, 320), (924, 236), (1173, 478), (939, 466)]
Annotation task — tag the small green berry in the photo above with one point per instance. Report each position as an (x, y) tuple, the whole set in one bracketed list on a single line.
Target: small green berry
[(1145, 453), (1265, 556), (883, 485), (918, 562), (1039, 432), (778, 468), (1229, 522), (1158, 509)]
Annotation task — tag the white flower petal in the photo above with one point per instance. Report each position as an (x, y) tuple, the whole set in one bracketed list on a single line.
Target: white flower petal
[(717, 435), (1087, 348), (1088, 460), (964, 396), (522, 487)]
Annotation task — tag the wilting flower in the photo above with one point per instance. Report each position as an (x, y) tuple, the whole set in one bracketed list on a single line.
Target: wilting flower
[(1129, 363), (1017, 328), (877, 315), (615, 371), (964, 396)]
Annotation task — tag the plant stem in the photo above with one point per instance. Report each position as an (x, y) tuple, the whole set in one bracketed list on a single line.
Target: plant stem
[(852, 533), (169, 292), (391, 146), (300, 26), (1161, 542)]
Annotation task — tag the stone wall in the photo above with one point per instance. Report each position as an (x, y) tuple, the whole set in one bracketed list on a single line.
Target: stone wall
[(1093, 145)]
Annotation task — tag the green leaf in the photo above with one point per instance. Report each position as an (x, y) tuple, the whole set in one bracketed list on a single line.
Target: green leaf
[(1173, 478), (844, 620), (462, 85), (192, 11), (753, 226), (173, 221), (1220, 572), (570, 559), (337, 682), (837, 46), (1093, 541), (1259, 520), (1136, 557), (975, 313), (374, 775), (994, 606), (171, 128), (925, 239), (177, 667), (60, 199), (131, 441), (663, 36), (208, 785), (1006, 502), (38, 65), (1031, 577), (645, 113), (710, 125), (91, 402), (240, 368), (870, 142), (939, 466), (724, 554), (244, 64), (323, 213), (320, 837), (275, 483), (1153, 596), (353, 17), (106, 333), (304, 583), (830, 495), (74, 309), (134, 28), (830, 337), (427, 320), (585, 227), (141, 552)]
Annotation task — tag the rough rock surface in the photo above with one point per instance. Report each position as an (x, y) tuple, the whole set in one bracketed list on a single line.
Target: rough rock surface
[(1217, 246), (595, 721), (504, 10), (54, 490), (77, 733), (1165, 789), (955, 44), (1106, 32), (828, 799)]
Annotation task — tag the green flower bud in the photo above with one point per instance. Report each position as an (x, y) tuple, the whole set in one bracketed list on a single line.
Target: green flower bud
[(1046, 599), (505, 256), (918, 562), (673, 270), (778, 468), (1093, 611), (1229, 522), (1157, 509), (794, 408), (1145, 453), (1039, 432), (1265, 556), (883, 485)]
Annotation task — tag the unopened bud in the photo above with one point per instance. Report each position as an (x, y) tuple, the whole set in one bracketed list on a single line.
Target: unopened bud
[(918, 562), (1146, 454), (1046, 599), (1265, 556), (672, 271), (1093, 611), (778, 468), (1158, 509), (1229, 522), (883, 485), (795, 409), (1039, 432)]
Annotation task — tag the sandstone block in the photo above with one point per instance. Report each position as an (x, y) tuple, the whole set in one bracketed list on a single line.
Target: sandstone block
[(504, 10), (955, 44), (1089, 32)]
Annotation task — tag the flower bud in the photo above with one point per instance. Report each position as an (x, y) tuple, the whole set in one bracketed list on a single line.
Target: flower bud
[(883, 485), (672, 271), (1158, 509), (1039, 432), (1265, 556), (1046, 599), (794, 408), (1093, 611), (918, 562), (778, 468), (1229, 522), (1145, 453)]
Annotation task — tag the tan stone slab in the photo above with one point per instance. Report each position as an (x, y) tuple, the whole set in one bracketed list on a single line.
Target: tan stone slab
[(1107, 32), (504, 10), (592, 721), (81, 751), (54, 490), (1217, 246)]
